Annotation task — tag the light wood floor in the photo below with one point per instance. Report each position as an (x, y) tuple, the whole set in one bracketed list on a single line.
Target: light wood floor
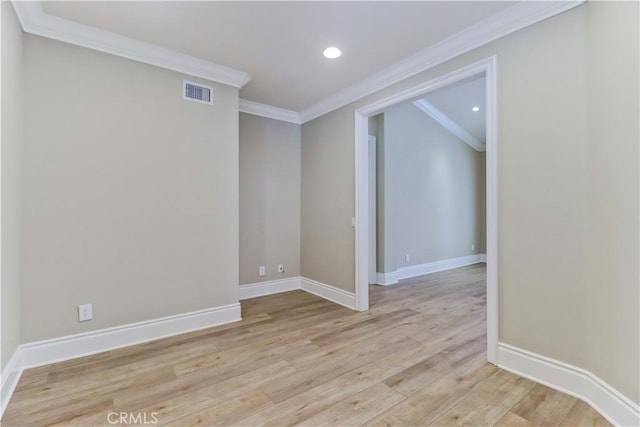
[(416, 358)]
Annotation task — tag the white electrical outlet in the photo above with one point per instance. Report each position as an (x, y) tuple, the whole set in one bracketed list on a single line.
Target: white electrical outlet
[(262, 270), (473, 247), (407, 258), (280, 268), (85, 312)]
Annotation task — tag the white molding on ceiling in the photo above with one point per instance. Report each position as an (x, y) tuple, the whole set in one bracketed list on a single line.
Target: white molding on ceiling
[(512, 19), (269, 111), (453, 127), (35, 21)]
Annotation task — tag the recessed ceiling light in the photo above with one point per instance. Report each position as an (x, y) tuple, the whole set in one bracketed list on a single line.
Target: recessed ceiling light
[(332, 52), (475, 109)]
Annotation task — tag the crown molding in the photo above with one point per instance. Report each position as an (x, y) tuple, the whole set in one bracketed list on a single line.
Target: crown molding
[(35, 21), (515, 18), (449, 124), (525, 13), (269, 111)]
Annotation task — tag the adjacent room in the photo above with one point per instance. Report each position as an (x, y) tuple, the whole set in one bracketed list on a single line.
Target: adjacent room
[(364, 213)]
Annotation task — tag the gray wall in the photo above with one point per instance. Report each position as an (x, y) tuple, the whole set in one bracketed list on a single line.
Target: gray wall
[(12, 55), (612, 314), (433, 191), (269, 198), (547, 148), (130, 192)]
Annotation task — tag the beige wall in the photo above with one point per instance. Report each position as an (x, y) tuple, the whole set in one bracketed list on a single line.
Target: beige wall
[(545, 230), (269, 198), (12, 53), (326, 246), (434, 186), (130, 192), (612, 314), (384, 228)]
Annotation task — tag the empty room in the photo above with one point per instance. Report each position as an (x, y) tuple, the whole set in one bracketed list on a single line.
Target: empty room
[(380, 213)]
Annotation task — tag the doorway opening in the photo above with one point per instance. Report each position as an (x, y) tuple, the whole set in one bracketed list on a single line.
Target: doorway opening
[(364, 192)]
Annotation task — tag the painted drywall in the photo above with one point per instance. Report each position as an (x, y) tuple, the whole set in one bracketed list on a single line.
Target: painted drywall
[(435, 182), (381, 226), (269, 198), (373, 125), (12, 84), (130, 192), (326, 237), (546, 115), (613, 282)]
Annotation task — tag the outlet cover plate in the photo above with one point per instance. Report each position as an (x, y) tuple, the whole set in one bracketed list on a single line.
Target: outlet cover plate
[(85, 312)]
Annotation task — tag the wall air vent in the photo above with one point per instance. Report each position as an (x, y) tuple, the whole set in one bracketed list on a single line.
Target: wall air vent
[(197, 92)]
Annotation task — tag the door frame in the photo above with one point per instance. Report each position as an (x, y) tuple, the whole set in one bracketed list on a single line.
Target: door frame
[(488, 67)]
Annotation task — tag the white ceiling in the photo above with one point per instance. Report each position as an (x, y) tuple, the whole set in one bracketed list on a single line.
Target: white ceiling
[(456, 102), (280, 43)]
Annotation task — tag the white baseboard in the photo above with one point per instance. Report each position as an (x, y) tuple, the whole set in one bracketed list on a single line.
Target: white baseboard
[(41, 353), (10, 377), (386, 279), (615, 407), (390, 278), (331, 293), (328, 292), (270, 287)]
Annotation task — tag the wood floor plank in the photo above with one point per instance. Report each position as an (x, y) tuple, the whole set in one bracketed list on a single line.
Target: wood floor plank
[(358, 409), (55, 396), (340, 363), (512, 420), (434, 399), (487, 404), (544, 406), (416, 358), (415, 377), (582, 415), (221, 413)]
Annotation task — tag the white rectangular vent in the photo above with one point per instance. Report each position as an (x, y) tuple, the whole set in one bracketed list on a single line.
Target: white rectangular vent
[(197, 92)]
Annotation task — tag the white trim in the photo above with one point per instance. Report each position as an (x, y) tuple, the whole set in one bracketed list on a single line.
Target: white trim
[(433, 267), (492, 203), (270, 287), (392, 277), (269, 111), (489, 68), (35, 21), (523, 14), (444, 120), (331, 293), (615, 407), (503, 23), (386, 279), (73, 346), (10, 377), (362, 210)]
